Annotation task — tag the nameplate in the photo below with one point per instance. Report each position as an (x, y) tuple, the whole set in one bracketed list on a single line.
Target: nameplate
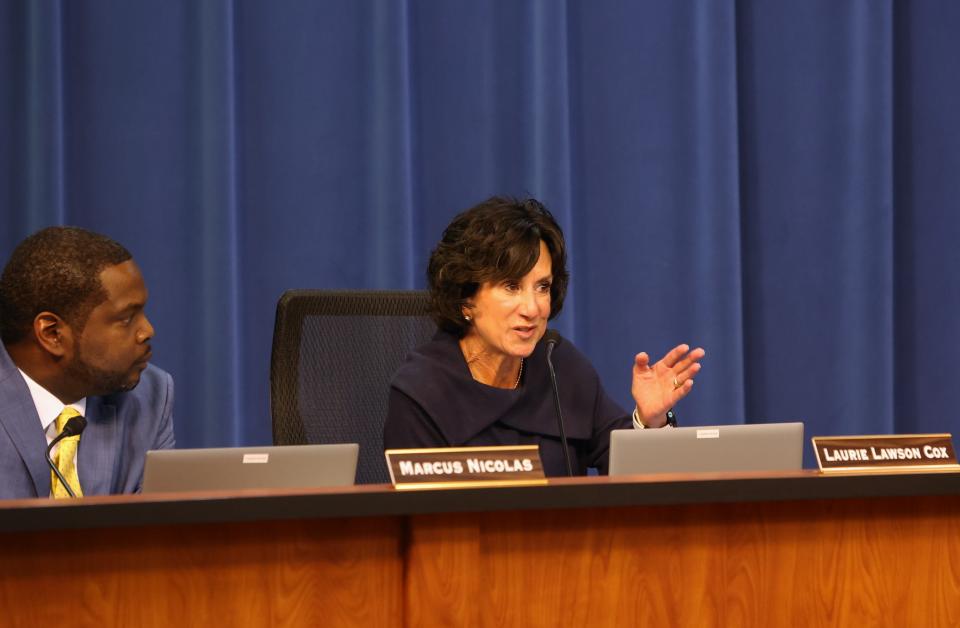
[(885, 453), (463, 467)]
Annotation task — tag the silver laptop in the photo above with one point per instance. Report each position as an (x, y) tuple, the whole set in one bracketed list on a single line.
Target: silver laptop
[(755, 447), (290, 466)]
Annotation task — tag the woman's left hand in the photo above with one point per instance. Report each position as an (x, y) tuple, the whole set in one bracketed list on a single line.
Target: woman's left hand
[(657, 388)]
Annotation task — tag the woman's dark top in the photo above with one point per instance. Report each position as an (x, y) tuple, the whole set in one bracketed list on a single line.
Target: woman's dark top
[(435, 402)]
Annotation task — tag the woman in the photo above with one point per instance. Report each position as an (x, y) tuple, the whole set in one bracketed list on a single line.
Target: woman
[(496, 277)]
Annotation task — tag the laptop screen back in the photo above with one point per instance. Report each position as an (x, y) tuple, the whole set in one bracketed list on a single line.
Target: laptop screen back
[(231, 468), (754, 447)]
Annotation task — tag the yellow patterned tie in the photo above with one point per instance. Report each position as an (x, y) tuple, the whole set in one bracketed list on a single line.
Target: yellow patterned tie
[(65, 458)]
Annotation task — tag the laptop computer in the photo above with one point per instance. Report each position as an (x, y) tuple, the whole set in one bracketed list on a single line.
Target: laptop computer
[(754, 447), (289, 466)]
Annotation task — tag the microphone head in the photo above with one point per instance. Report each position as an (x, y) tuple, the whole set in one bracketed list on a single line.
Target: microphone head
[(74, 426), (552, 337)]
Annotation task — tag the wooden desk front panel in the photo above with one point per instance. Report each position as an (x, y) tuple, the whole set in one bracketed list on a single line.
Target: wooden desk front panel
[(276, 573), (887, 562), (891, 561)]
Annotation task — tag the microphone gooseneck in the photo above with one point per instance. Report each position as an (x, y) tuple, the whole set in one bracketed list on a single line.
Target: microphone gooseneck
[(75, 425), (553, 339)]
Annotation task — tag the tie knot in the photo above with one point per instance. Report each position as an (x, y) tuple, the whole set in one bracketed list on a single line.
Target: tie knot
[(67, 414)]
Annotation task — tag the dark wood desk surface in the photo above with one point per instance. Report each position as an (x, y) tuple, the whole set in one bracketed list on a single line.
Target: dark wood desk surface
[(383, 500), (790, 549)]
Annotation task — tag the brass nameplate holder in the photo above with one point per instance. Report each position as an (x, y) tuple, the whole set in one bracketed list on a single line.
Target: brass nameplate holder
[(885, 453), (464, 467)]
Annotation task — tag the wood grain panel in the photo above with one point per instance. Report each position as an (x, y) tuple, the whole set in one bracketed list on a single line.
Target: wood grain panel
[(286, 573), (887, 562), (448, 546)]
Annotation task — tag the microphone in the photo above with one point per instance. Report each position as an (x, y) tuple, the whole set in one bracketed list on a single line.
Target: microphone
[(74, 427), (553, 339)]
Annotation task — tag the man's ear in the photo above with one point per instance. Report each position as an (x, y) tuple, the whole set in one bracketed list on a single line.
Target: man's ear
[(52, 333)]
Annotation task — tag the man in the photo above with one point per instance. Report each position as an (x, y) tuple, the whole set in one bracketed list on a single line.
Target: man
[(76, 340)]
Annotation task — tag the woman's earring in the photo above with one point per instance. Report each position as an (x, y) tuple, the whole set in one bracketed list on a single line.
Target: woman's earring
[(466, 317)]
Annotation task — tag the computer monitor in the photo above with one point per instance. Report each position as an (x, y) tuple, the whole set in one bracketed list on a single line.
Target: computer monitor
[(291, 466), (754, 447)]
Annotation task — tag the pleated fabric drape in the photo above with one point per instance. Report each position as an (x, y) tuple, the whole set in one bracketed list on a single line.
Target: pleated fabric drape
[(774, 181)]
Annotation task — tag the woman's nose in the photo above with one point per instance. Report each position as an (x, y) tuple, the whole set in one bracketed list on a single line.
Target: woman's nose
[(528, 303)]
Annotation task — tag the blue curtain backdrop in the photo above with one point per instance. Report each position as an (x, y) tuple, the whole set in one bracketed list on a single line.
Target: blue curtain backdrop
[(775, 181)]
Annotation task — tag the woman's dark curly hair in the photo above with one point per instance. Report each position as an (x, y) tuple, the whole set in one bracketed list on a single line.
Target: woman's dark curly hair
[(496, 240)]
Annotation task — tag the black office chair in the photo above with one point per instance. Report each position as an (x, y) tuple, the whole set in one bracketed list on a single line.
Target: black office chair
[(334, 353)]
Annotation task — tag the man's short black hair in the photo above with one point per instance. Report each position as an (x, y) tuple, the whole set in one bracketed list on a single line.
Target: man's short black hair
[(57, 270), (495, 240)]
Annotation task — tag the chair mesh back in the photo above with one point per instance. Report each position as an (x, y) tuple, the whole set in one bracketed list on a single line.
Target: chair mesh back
[(333, 356)]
